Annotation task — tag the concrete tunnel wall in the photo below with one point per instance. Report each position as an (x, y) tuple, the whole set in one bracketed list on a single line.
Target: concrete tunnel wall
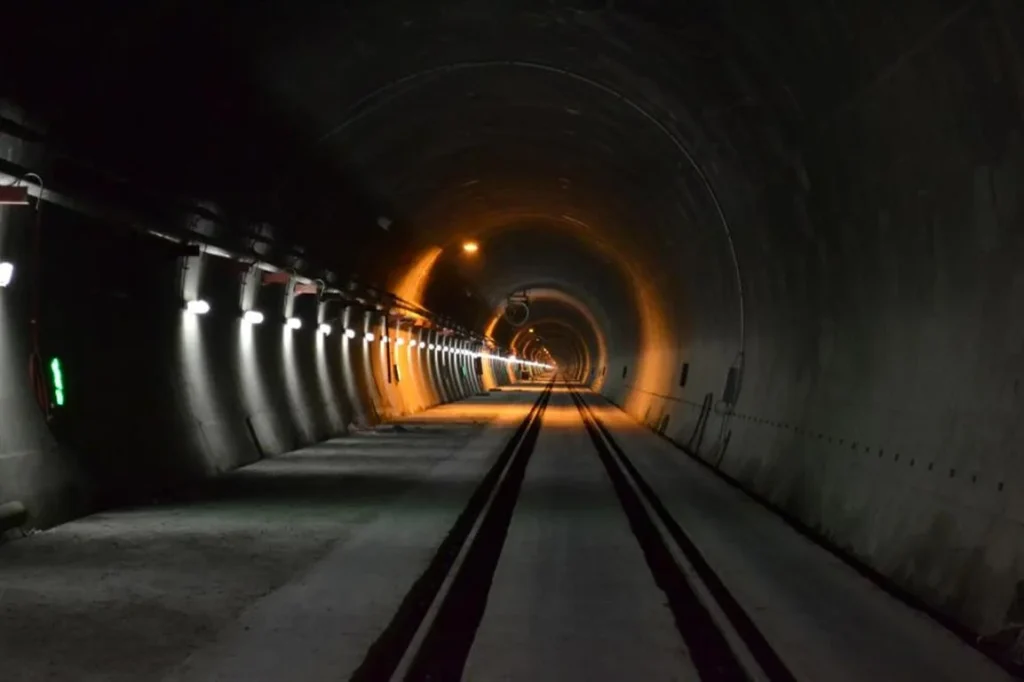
[(157, 397), (881, 397)]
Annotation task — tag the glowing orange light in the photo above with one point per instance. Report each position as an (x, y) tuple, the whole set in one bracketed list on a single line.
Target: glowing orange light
[(470, 247)]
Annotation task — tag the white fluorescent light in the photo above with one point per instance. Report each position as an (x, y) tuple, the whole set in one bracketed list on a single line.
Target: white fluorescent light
[(294, 323), (325, 329), (6, 273), (350, 333), (252, 317), (198, 307)]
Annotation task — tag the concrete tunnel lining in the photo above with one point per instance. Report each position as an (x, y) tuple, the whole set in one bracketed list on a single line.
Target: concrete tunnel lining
[(867, 163)]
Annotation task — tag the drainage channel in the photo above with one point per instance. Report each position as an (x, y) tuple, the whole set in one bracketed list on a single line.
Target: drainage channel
[(723, 641), (430, 635)]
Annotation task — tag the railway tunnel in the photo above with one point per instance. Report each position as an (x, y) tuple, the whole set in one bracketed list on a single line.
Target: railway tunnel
[(534, 340)]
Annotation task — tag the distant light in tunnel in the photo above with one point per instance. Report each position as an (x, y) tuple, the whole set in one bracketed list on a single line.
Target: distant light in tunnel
[(430, 347), (470, 247), (383, 340), (350, 333), (6, 273), (399, 341), (531, 330), (369, 336), (197, 307), (325, 329), (294, 323), (252, 317)]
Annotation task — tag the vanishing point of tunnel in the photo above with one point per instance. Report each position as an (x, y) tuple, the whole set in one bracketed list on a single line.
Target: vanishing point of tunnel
[(512, 340)]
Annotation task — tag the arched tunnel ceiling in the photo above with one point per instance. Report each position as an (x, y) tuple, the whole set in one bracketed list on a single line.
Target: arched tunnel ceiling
[(637, 128), (481, 119), (612, 122)]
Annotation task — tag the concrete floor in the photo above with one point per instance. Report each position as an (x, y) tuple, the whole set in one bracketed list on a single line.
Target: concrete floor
[(290, 568)]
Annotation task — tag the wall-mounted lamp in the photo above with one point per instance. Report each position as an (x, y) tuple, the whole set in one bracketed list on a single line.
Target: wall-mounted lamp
[(369, 336), (6, 273), (197, 307), (294, 323), (350, 333), (324, 329), (252, 317), (399, 341)]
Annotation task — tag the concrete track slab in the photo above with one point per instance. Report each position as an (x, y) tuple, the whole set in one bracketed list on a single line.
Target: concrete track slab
[(572, 598)]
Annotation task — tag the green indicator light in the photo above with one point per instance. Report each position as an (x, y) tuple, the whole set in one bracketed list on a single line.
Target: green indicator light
[(57, 376)]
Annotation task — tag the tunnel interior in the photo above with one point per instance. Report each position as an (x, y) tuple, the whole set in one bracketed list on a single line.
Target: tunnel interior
[(786, 236)]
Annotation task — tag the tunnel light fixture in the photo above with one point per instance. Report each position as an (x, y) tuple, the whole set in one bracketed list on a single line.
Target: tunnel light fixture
[(383, 340), (369, 336), (470, 246), (197, 307), (6, 273), (252, 317), (294, 323), (350, 333), (430, 347), (325, 329), (399, 341)]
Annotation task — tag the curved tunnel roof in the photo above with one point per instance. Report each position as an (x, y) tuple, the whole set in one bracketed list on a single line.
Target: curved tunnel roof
[(583, 148)]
